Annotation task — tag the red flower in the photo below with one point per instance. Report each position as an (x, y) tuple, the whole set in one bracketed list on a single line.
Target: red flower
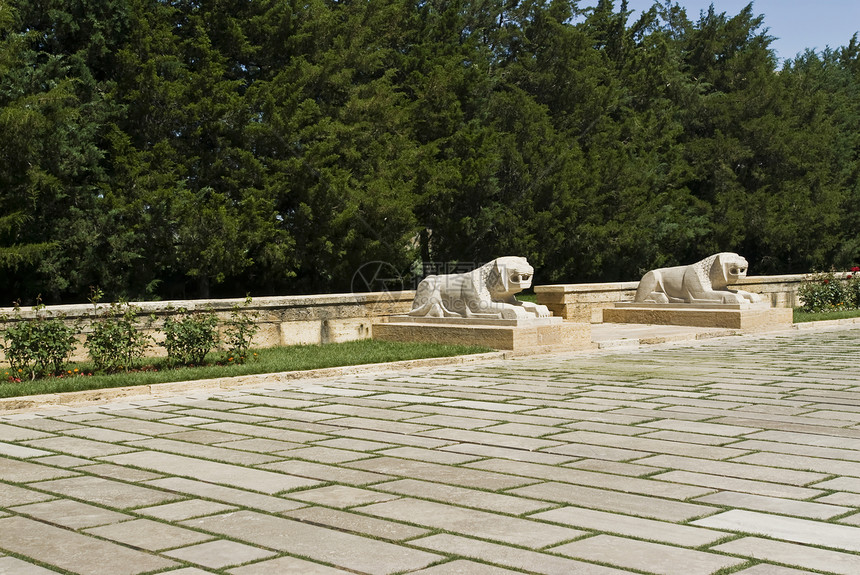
[(855, 269)]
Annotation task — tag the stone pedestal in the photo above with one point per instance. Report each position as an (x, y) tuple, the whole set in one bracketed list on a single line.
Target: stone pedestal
[(538, 334), (746, 317)]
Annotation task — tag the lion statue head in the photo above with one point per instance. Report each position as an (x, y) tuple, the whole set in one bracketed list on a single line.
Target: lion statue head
[(727, 268), (509, 275)]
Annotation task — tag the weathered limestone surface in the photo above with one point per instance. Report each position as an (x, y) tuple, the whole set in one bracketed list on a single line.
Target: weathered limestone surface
[(699, 295), (487, 292), (586, 302), (480, 308), (736, 455), (556, 335), (703, 282), (746, 319), (286, 320)]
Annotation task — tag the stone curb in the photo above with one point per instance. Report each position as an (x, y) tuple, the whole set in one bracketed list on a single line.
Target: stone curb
[(826, 323), (10, 405)]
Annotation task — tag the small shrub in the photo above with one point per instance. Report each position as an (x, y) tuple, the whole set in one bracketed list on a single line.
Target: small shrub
[(116, 343), (239, 333), (188, 339), (827, 292), (37, 347)]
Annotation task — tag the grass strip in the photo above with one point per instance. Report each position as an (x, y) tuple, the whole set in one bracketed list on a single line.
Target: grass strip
[(804, 316), (268, 360)]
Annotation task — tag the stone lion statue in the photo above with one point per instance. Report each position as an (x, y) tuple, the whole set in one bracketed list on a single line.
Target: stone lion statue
[(701, 282), (485, 292)]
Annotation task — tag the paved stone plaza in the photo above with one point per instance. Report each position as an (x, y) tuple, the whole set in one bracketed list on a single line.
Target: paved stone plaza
[(731, 455)]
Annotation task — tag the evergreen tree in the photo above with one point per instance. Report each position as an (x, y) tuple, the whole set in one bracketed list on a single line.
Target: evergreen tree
[(54, 104), (186, 149), (18, 123)]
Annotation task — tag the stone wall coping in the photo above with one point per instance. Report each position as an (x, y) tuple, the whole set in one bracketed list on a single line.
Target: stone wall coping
[(568, 288), (788, 278), (257, 303), (623, 286)]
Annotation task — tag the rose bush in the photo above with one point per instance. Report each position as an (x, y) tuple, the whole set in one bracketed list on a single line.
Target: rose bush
[(830, 291)]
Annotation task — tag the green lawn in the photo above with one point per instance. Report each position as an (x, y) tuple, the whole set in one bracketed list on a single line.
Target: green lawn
[(527, 296), (270, 360), (802, 316), (274, 360)]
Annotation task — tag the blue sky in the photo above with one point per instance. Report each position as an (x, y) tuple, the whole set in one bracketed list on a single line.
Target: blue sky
[(797, 24)]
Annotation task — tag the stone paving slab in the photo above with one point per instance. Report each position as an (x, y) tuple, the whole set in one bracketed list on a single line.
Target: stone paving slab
[(662, 531), (793, 449), (11, 496), (111, 471), (212, 471), (147, 534), (79, 446), (13, 433), (807, 509), (16, 471), (185, 509), (71, 514), (515, 557), (62, 461), (19, 451), (225, 455), (219, 554), (357, 523), (440, 473), (645, 556), (463, 567), (115, 494), (240, 497), (786, 528), (327, 545), (731, 469), (287, 566), (481, 524), (473, 498), (509, 453), (593, 479), (734, 484), (803, 556), (764, 569), (13, 566), (605, 500), (73, 551), (322, 472), (341, 496), (727, 456)]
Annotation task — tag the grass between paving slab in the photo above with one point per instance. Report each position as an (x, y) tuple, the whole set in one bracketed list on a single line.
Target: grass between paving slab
[(803, 316), (270, 360)]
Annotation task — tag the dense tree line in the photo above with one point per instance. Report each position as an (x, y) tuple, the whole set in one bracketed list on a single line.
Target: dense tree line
[(177, 148)]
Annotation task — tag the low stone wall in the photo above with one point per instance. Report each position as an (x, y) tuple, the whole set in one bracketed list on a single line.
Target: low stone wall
[(315, 319), (286, 320), (586, 302)]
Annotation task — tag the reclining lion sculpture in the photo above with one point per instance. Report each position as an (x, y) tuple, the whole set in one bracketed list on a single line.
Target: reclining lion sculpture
[(486, 292), (701, 282)]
